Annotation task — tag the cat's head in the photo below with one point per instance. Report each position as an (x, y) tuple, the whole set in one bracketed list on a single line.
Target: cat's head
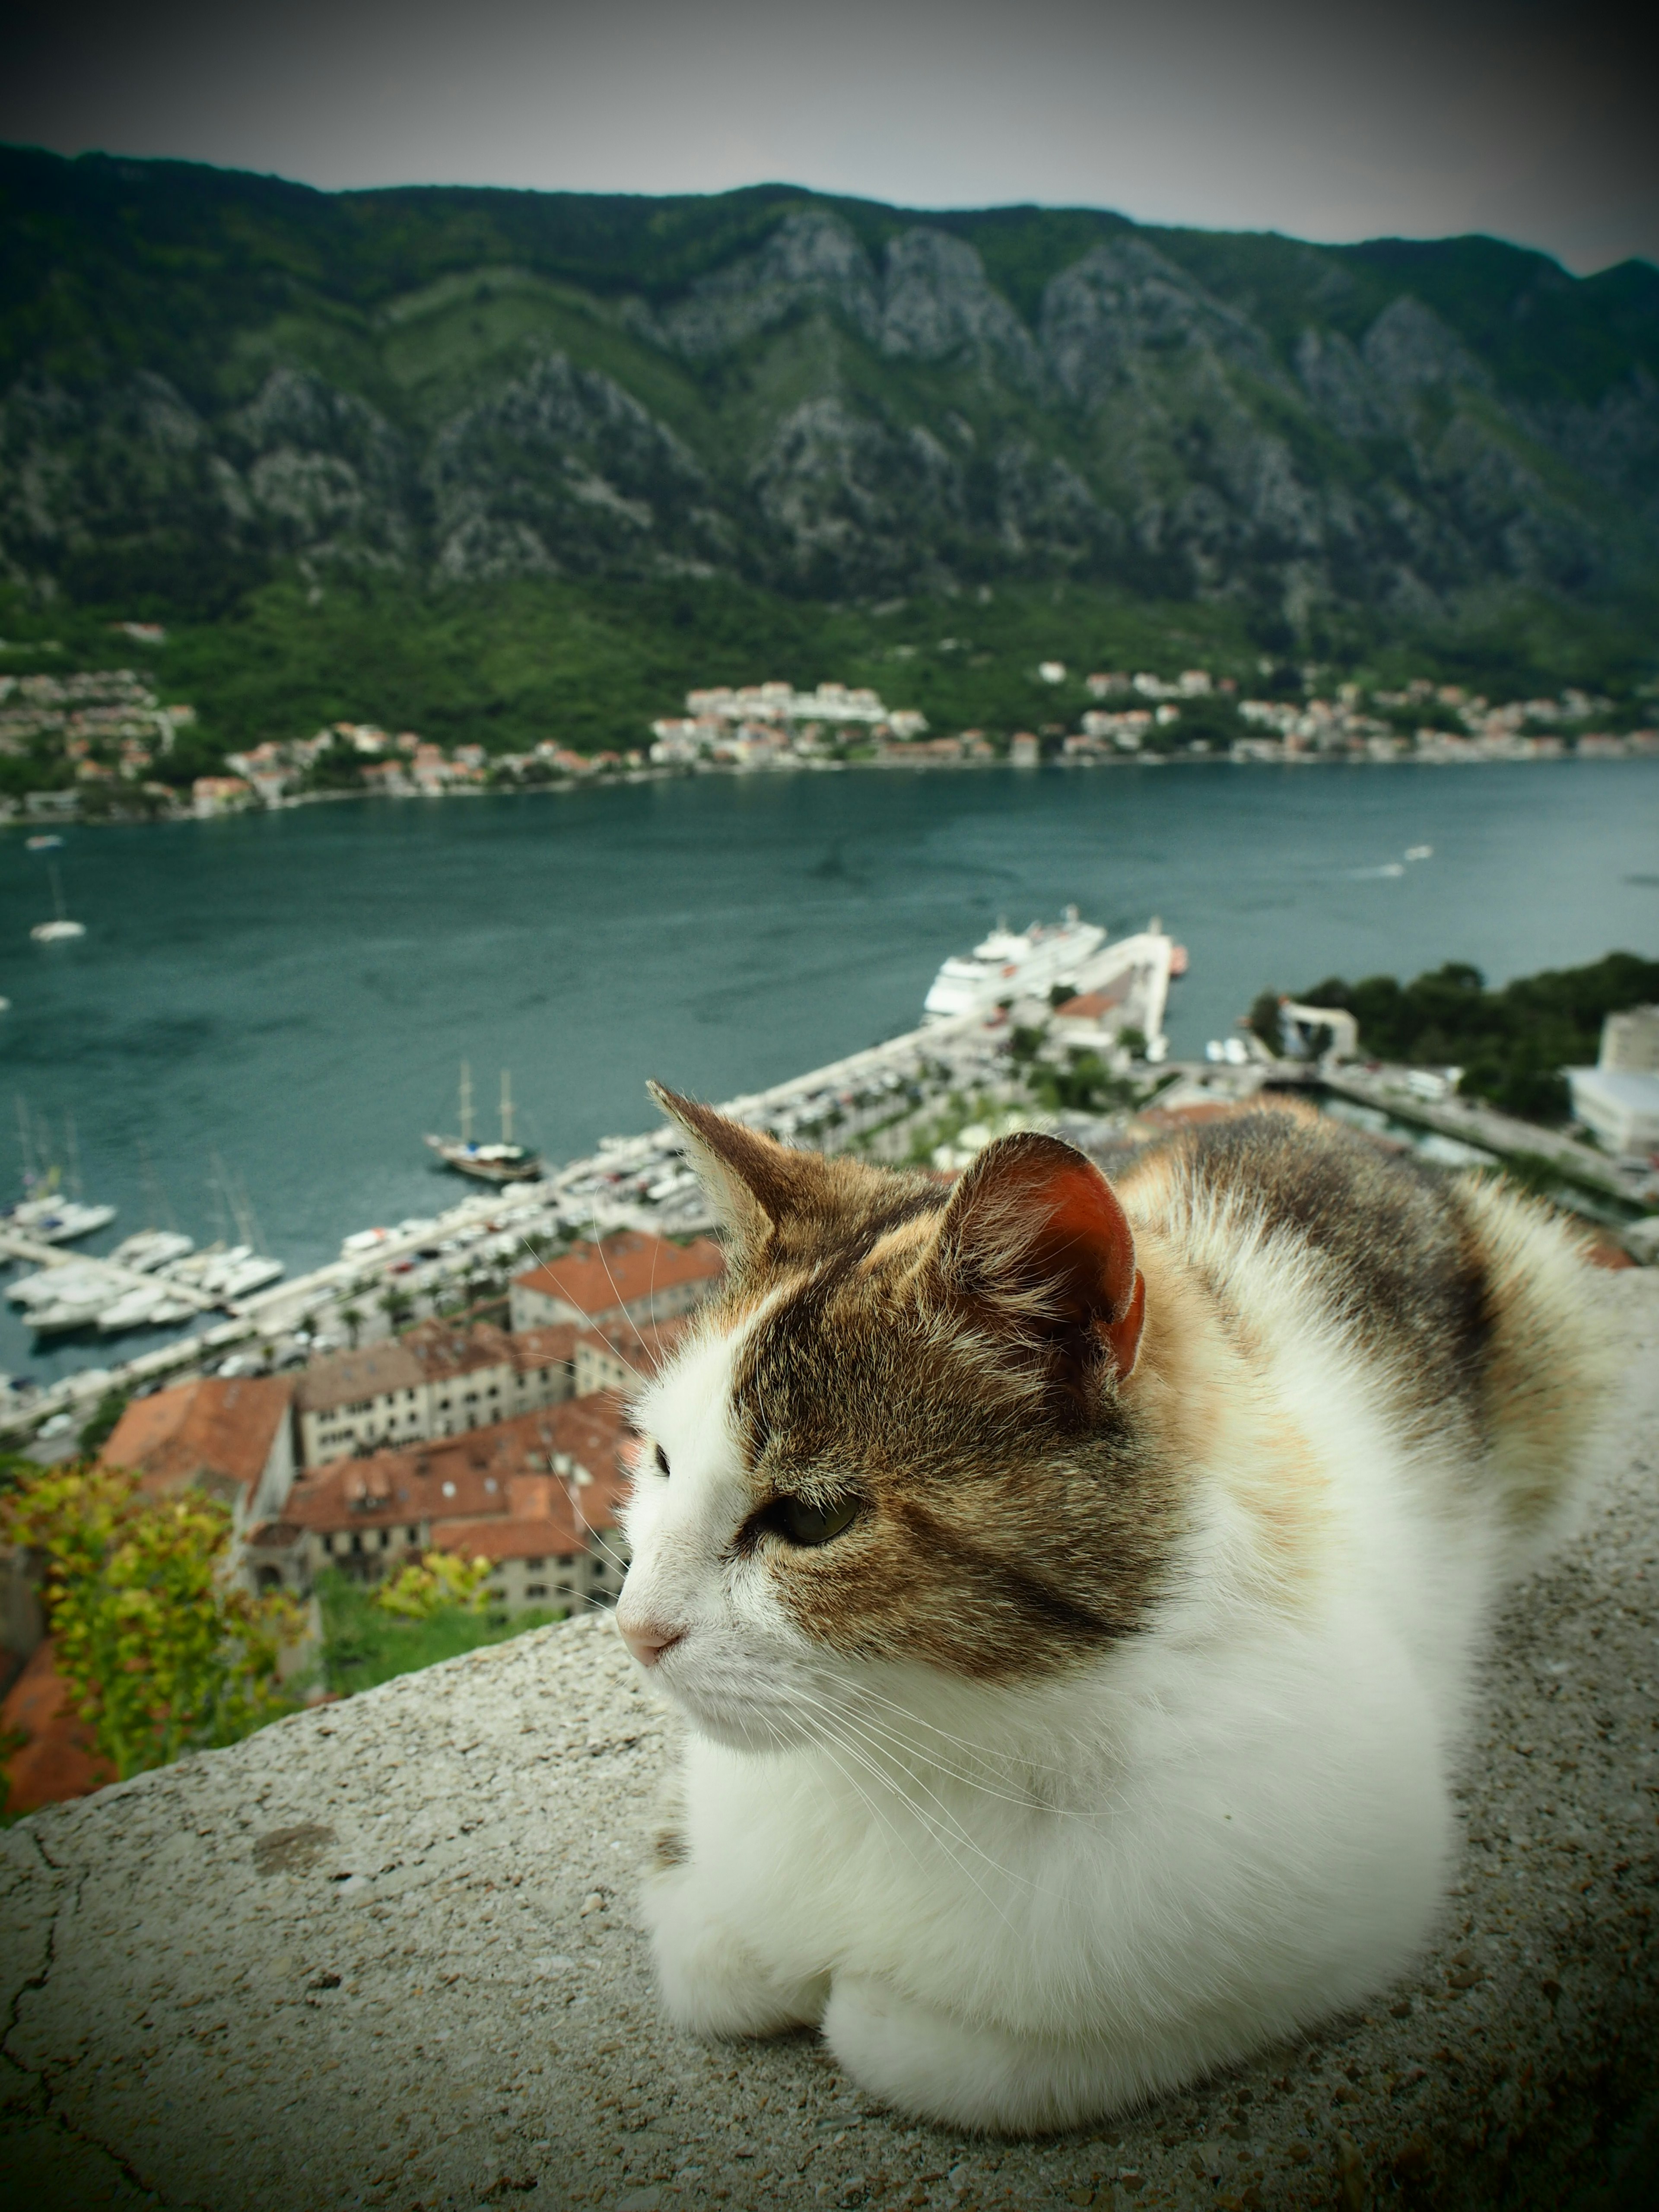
[(900, 1438)]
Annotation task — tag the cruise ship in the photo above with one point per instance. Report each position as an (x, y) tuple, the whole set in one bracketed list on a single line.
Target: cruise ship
[(1012, 965)]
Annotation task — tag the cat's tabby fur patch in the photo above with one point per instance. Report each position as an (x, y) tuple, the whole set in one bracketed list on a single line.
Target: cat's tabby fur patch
[(1074, 1594)]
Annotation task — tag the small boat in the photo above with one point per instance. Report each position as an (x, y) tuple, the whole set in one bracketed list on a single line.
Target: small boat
[(148, 1306), (505, 1162), (60, 926), (249, 1275), (54, 1220), (1420, 852), (74, 1278), (150, 1248), (44, 844)]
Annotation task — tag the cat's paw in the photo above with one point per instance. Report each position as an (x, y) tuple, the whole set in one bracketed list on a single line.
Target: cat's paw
[(712, 1982), (940, 2068)]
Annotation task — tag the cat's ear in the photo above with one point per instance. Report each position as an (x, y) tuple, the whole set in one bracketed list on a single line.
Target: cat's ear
[(1034, 1237), (753, 1183)]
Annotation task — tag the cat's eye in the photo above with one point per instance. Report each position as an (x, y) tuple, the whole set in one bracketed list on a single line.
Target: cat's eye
[(662, 1461), (799, 1521)]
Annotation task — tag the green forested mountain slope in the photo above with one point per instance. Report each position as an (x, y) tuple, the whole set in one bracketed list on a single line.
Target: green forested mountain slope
[(208, 379)]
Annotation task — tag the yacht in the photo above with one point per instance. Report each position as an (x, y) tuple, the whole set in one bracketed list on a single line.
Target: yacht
[(150, 1248), (1006, 965), (51, 1219), (148, 1305), (60, 926), (505, 1162)]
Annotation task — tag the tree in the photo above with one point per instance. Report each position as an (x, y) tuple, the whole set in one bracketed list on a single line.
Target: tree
[(352, 1316), (162, 1653), (425, 1586), (396, 1304), (1263, 1019), (106, 1415)]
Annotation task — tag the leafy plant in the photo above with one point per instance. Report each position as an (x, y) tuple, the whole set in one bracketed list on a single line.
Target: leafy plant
[(424, 1588), (1084, 1086), (162, 1654), (366, 1642)]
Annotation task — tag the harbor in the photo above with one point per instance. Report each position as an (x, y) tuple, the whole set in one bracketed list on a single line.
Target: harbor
[(1055, 991), (307, 1041)]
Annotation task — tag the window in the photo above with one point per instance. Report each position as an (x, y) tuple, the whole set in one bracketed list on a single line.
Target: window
[(530, 1590), (565, 1561), (413, 1534), (534, 1567)]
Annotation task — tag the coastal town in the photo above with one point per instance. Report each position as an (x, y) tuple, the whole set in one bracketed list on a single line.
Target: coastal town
[(459, 1380), (97, 744)]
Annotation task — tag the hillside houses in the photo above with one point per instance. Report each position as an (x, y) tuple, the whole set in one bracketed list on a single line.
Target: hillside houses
[(510, 1444), (539, 1495), (771, 725)]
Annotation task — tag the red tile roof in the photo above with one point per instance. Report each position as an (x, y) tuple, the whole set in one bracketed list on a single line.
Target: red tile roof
[(552, 1345), (445, 1350), (600, 1279), (1090, 1006), (217, 1431), (641, 1350), (341, 1378), (510, 1538), (479, 1470), (58, 1759)]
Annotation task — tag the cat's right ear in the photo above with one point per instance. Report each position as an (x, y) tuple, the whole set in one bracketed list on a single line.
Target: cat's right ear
[(753, 1183), (1035, 1239)]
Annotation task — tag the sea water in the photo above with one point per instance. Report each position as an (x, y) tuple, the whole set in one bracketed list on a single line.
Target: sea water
[(277, 1004)]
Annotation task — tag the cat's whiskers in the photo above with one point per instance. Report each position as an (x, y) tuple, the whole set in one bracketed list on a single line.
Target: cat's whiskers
[(810, 1723), (964, 1743), (822, 1730), (828, 1719), (1026, 1800), (946, 1812), (974, 1751)]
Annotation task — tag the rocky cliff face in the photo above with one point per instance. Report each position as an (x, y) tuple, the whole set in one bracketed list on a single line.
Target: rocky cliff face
[(829, 412)]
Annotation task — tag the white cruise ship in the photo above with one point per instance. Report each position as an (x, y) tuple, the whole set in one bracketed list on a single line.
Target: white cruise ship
[(1010, 965)]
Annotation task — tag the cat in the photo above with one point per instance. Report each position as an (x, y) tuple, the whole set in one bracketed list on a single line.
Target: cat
[(1075, 1594)]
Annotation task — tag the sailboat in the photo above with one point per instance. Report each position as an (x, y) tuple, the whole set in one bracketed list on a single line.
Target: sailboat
[(505, 1162), (60, 926)]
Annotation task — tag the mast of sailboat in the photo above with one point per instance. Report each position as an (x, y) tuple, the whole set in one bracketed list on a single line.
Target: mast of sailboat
[(466, 1104), (57, 890), (507, 1108), (72, 1155), (26, 1145)]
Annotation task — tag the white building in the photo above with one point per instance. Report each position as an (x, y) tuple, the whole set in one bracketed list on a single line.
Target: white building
[(1621, 1106), (1630, 1043)]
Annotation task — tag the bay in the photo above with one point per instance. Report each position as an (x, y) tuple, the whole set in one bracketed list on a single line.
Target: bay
[(291, 994)]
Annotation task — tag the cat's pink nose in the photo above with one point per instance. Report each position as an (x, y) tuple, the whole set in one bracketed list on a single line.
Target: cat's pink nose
[(649, 1639)]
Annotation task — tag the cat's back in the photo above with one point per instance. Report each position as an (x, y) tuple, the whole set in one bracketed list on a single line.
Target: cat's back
[(1464, 1301)]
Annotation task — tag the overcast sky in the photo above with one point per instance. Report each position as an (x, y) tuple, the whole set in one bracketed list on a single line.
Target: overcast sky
[(1338, 121)]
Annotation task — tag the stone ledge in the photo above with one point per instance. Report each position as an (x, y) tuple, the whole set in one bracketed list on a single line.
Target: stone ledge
[(386, 1953)]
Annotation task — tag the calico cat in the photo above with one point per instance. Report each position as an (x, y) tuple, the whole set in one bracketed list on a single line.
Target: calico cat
[(1075, 1594)]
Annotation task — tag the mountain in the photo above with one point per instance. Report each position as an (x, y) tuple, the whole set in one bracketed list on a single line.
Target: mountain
[(210, 379)]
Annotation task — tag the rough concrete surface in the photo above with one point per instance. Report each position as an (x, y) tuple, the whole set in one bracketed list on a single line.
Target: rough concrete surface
[(386, 1953)]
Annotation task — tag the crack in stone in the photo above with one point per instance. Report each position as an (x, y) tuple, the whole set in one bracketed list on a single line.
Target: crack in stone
[(48, 2107)]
